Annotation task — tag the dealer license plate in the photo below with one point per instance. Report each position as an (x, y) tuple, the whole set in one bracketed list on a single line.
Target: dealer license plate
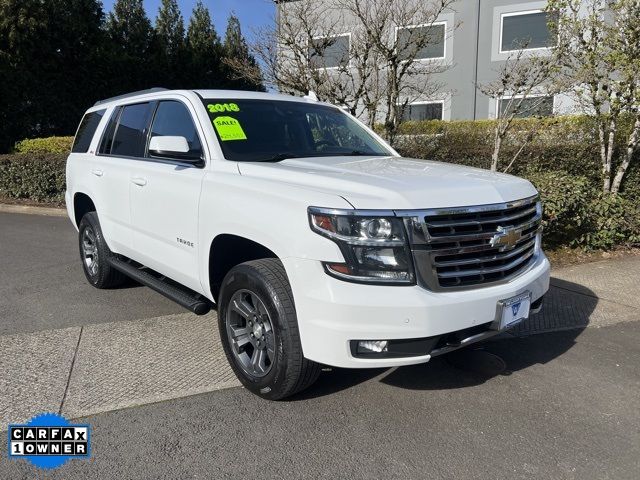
[(514, 310)]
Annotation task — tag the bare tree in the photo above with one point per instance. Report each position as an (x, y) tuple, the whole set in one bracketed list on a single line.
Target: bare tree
[(403, 77), (627, 60), (382, 73), (598, 50), (290, 54), (520, 90)]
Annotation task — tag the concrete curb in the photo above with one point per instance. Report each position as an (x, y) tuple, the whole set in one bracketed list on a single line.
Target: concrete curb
[(33, 210)]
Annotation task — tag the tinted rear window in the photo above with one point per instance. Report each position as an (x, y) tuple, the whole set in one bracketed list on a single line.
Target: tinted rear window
[(86, 131), (130, 136)]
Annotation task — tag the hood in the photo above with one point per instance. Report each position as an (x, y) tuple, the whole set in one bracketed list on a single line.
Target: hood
[(394, 182)]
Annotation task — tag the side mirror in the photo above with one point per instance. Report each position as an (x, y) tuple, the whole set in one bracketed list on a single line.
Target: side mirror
[(168, 146), (173, 147)]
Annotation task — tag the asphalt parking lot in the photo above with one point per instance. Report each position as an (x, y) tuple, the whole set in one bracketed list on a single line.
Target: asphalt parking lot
[(558, 400), (42, 287)]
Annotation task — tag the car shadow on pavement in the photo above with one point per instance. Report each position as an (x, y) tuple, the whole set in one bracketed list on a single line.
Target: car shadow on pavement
[(334, 380), (541, 339)]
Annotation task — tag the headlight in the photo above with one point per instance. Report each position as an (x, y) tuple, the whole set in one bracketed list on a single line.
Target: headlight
[(374, 245)]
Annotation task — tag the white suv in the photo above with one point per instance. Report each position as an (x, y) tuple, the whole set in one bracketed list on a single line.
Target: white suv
[(318, 243)]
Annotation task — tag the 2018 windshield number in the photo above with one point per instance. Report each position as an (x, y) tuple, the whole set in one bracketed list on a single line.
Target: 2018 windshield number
[(223, 107)]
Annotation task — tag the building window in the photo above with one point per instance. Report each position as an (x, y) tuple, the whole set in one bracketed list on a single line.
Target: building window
[(538, 106), (433, 37), (525, 31), (418, 112), (330, 52)]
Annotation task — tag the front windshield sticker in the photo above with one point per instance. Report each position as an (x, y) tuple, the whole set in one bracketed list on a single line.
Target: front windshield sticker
[(229, 129), (223, 107)]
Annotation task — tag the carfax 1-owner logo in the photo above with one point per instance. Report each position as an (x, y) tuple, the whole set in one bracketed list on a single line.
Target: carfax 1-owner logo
[(48, 440)]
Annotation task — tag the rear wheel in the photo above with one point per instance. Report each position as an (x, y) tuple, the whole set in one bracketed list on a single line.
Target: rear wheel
[(95, 253), (259, 330)]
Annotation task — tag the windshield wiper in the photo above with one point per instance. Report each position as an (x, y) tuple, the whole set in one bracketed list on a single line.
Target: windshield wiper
[(355, 153), (278, 157), (352, 153)]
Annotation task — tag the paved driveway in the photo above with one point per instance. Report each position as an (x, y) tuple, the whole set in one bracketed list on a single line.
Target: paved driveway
[(42, 286), (566, 408), (562, 404)]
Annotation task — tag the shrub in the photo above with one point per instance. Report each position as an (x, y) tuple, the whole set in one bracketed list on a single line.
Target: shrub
[(39, 177), (614, 220), (566, 201), (568, 144), (45, 145), (576, 214)]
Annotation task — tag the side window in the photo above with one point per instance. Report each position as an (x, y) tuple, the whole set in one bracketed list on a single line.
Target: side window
[(86, 131), (107, 136), (173, 119), (130, 135)]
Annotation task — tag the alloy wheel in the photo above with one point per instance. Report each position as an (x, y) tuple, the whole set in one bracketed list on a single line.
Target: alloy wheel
[(90, 250), (250, 333)]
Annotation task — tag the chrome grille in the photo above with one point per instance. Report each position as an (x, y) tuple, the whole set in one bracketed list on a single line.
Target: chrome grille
[(470, 247)]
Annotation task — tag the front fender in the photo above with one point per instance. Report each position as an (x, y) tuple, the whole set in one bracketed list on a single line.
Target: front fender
[(268, 212)]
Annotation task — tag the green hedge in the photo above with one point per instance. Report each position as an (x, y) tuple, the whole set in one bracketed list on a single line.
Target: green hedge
[(564, 144), (562, 161), (577, 214), (45, 145), (38, 176)]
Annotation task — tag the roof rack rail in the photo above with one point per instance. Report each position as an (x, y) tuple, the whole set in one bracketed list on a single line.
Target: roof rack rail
[(132, 94)]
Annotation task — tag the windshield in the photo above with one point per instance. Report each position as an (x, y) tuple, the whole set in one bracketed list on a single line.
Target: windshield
[(272, 130)]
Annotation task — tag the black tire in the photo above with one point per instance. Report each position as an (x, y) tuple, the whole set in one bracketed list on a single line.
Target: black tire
[(100, 274), (288, 372)]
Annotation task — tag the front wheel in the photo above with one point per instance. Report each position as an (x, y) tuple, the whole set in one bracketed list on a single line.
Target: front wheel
[(259, 330), (95, 254)]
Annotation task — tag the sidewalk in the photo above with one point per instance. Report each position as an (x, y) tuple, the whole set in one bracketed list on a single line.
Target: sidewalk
[(33, 210), (85, 370), (594, 294)]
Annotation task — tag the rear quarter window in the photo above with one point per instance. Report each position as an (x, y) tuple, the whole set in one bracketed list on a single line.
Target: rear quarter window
[(86, 131)]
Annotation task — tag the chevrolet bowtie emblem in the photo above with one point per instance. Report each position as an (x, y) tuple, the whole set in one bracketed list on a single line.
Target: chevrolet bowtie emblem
[(507, 238)]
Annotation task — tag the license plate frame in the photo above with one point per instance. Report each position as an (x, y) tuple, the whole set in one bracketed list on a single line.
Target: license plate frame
[(512, 311)]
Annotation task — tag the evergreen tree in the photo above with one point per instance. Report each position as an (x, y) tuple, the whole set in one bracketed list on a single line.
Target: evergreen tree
[(132, 48), (6, 102), (129, 28), (235, 47), (169, 30), (205, 51), (49, 65)]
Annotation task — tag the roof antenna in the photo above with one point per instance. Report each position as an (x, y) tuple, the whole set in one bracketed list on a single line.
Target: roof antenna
[(311, 96)]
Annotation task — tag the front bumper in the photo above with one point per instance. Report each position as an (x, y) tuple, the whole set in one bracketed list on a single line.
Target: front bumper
[(332, 313)]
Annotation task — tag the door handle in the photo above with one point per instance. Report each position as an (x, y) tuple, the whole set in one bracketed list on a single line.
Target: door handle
[(139, 181), (97, 173)]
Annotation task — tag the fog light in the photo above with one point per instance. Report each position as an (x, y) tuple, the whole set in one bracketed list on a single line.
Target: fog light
[(373, 346)]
